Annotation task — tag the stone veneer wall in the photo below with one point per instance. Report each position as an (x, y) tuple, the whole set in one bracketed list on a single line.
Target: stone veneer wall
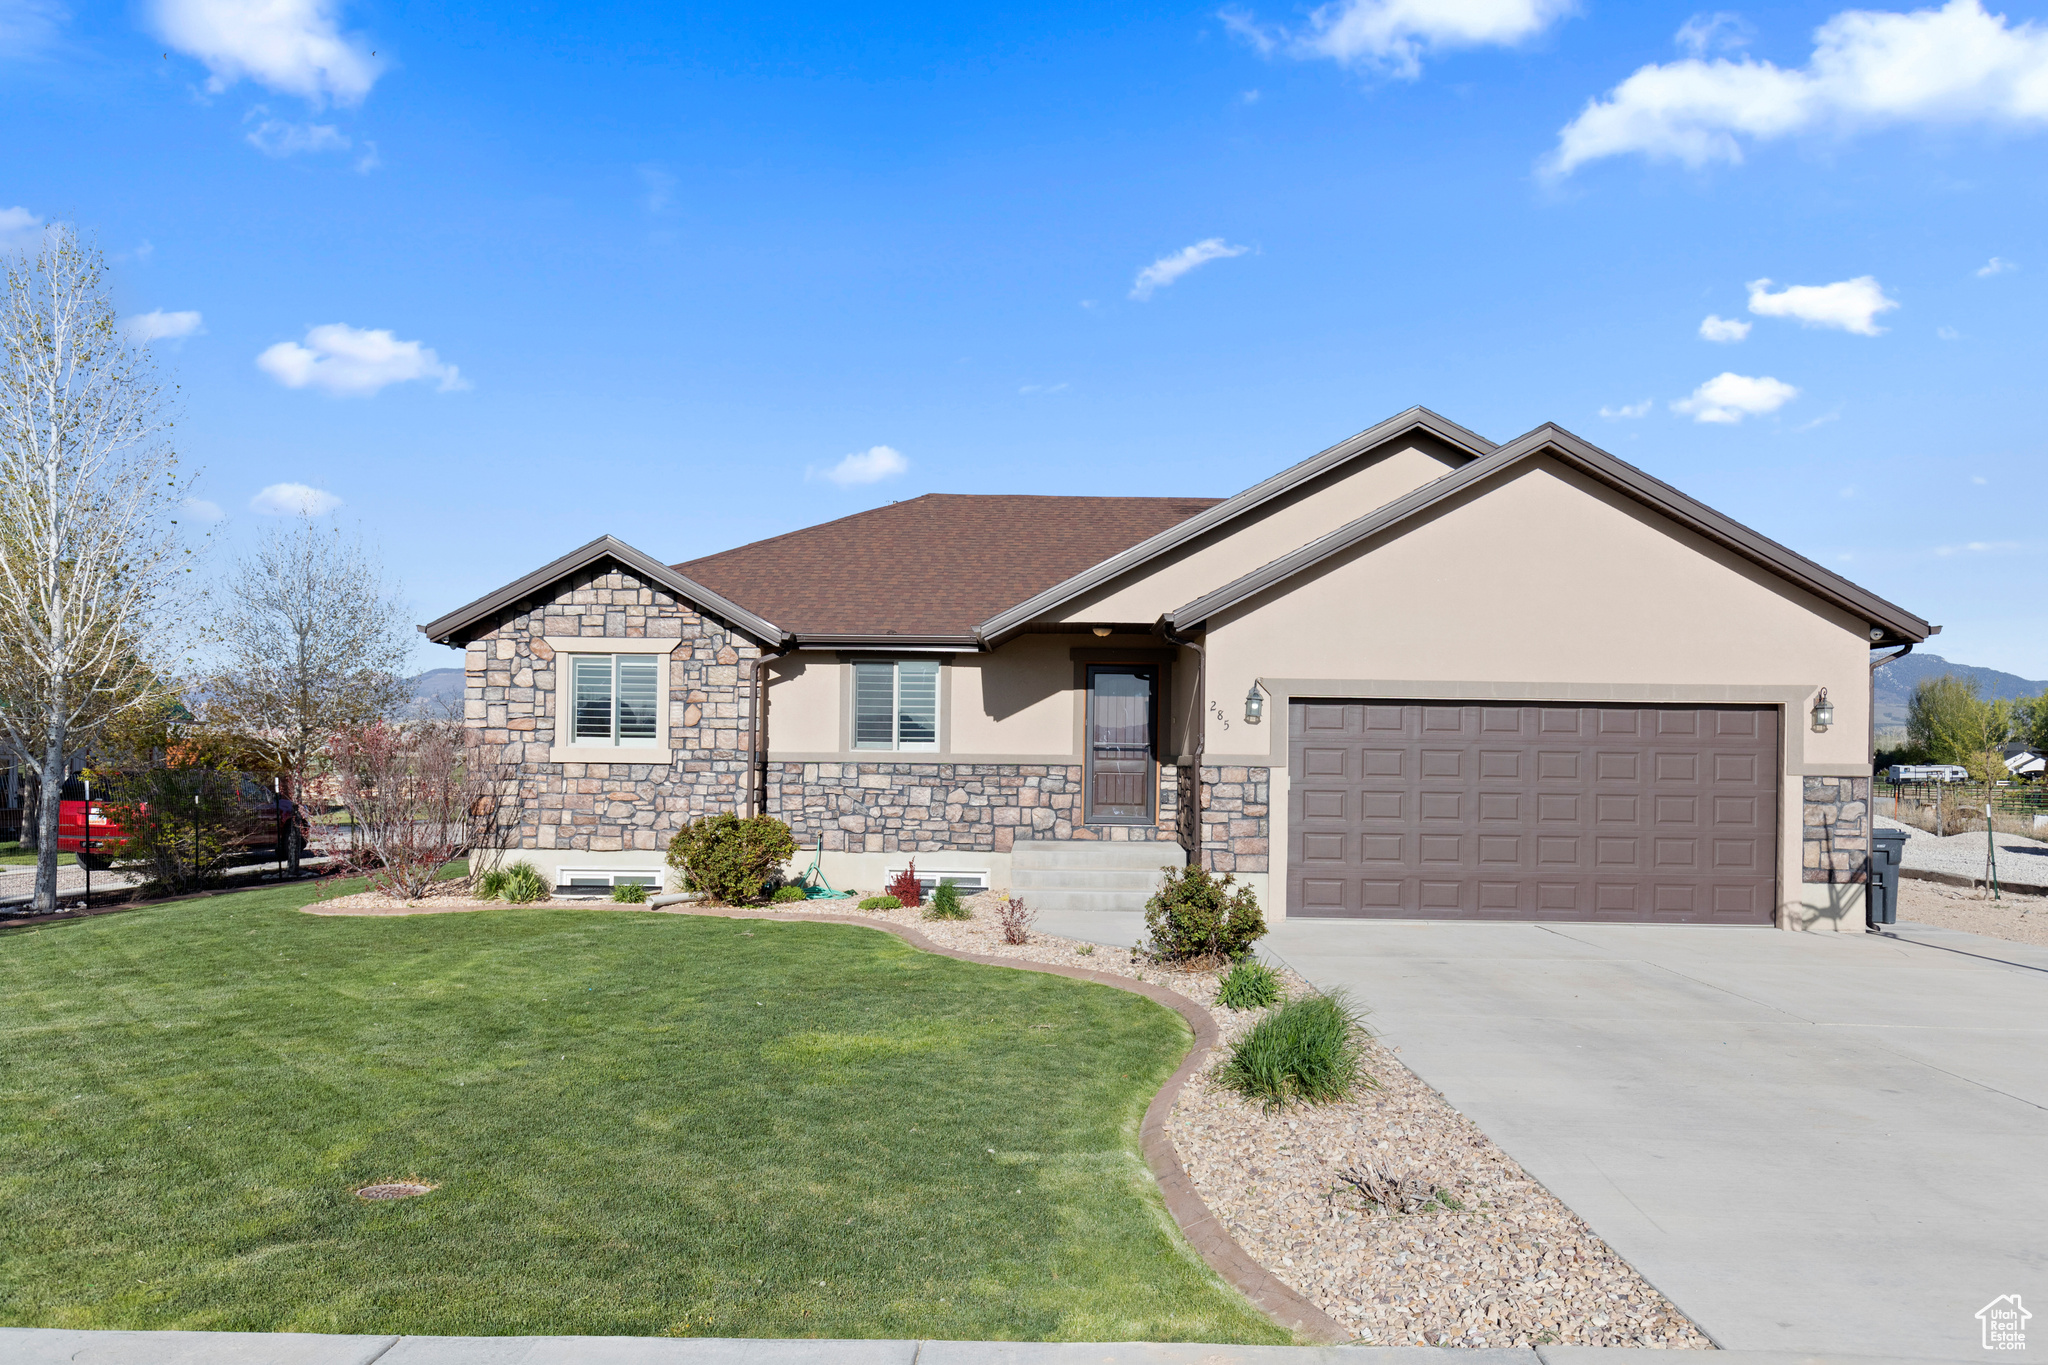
[(1237, 819), (1835, 830), (891, 806), (510, 702)]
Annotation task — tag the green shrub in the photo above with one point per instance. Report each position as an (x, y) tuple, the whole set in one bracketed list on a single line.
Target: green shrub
[(524, 884), (1305, 1052), (731, 859), (490, 884), (1193, 915), (785, 894), (881, 903), (1248, 986), (629, 893), (946, 904)]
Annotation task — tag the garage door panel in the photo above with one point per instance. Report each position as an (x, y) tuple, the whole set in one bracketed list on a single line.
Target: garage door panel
[(1598, 812)]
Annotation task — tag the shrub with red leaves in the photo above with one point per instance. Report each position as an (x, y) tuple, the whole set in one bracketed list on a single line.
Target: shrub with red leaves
[(905, 888)]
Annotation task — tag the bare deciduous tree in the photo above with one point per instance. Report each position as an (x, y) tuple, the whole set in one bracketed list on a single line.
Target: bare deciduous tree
[(89, 559), (312, 645), (417, 797)]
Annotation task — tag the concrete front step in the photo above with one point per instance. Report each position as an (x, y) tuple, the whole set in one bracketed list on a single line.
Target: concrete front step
[(1083, 874)]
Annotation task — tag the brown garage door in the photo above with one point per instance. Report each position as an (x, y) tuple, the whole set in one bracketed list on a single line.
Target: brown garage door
[(1413, 810)]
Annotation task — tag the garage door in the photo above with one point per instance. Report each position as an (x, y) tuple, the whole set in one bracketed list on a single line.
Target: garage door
[(1413, 810)]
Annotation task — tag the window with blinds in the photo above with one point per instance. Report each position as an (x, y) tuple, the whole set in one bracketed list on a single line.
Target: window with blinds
[(896, 704), (615, 698)]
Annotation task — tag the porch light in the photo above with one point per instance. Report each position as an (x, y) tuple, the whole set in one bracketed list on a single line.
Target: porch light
[(1823, 712), (1102, 630), (1254, 705)]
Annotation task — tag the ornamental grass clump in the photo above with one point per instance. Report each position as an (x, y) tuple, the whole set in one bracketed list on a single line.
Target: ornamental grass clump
[(1305, 1052), (1248, 986), (523, 884), (629, 893), (731, 859), (1196, 919), (946, 904)]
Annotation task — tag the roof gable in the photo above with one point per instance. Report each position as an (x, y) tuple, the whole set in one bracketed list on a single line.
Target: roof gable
[(455, 627), (1897, 624)]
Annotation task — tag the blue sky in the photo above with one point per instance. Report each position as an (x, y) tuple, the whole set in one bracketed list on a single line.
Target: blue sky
[(658, 271)]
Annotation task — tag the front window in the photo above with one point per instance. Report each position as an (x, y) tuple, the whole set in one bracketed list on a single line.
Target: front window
[(615, 698), (896, 704)]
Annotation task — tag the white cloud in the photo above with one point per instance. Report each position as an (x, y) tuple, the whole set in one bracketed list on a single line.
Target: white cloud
[(1977, 547), (294, 500), (1979, 478), (1730, 397), (1717, 328), (18, 228), (1392, 35), (294, 46), (210, 511), (1042, 388), (1167, 269), (1994, 266), (1870, 68), (162, 326), (29, 26), (354, 360), (276, 137), (872, 465), (1948, 334), (1641, 409), (1848, 304), (1719, 31)]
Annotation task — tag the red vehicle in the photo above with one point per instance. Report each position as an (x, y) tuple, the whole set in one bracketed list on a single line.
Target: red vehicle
[(263, 820)]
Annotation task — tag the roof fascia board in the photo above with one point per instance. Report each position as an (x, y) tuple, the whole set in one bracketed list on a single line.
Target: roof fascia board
[(1617, 474), (605, 547), (1414, 419), (960, 644)]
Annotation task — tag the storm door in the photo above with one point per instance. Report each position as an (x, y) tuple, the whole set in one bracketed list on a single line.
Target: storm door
[(1123, 716)]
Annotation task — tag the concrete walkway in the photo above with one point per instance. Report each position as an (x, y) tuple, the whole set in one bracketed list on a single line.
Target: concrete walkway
[(32, 1346)]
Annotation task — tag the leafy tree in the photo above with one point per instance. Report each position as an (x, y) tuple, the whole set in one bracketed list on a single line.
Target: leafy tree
[(90, 559), (1950, 723)]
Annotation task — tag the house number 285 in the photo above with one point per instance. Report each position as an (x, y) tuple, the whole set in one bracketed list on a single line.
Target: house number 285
[(1217, 711)]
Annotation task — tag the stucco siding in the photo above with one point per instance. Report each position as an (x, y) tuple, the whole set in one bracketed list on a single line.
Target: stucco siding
[(1019, 699), (804, 702), (1312, 510)]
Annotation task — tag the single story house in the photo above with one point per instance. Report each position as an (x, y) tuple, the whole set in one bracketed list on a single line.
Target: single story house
[(1417, 675)]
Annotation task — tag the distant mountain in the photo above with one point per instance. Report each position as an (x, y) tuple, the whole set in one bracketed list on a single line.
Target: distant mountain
[(1895, 684), (437, 692)]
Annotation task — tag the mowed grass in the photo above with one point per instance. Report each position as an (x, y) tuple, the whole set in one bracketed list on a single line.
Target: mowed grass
[(639, 1124)]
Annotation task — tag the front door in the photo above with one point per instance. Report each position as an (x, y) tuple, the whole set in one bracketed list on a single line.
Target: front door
[(1123, 712)]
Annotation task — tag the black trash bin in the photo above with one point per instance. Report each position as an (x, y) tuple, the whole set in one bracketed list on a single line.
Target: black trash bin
[(1881, 899)]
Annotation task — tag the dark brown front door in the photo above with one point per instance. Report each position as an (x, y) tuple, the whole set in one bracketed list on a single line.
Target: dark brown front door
[(1415, 810), (1123, 710)]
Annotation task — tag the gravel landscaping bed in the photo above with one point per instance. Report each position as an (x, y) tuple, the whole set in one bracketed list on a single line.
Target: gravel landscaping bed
[(2020, 859)]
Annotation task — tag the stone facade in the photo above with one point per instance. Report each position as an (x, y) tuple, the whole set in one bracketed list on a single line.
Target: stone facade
[(1835, 830), (1237, 821), (892, 806), (511, 701)]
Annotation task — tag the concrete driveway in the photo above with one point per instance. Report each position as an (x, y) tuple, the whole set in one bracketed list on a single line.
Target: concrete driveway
[(1813, 1143)]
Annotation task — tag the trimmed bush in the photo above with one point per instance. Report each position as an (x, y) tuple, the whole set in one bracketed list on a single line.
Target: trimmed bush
[(630, 893), (881, 903), (906, 888), (731, 859), (1194, 916), (524, 884), (946, 904), (1305, 1052), (785, 894), (1248, 986)]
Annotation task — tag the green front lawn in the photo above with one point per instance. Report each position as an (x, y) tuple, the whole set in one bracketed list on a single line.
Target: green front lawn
[(14, 855), (640, 1124)]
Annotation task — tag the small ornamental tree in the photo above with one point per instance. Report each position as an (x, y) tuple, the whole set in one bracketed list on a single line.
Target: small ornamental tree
[(415, 799), (731, 859), (1196, 916)]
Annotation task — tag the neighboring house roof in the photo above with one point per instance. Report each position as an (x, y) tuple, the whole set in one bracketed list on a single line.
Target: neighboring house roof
[(455, 626), (928, 569), (1894, 624)]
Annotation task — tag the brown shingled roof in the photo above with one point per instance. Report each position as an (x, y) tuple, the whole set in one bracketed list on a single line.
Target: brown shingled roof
[(936, 565)]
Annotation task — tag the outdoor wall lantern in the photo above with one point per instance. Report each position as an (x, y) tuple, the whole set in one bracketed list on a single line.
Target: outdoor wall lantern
[(1254, 705), (1823, 712)]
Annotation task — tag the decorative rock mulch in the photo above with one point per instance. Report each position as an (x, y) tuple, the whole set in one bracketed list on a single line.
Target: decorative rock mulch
[(441, 899), (1509, 1265)]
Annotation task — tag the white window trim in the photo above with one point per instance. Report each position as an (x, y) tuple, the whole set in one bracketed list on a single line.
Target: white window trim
[(565, 749), (929, 879), (853, 707), (610, 874)]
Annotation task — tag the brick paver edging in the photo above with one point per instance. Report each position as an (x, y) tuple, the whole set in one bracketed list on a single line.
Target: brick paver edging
[(1197, 1223)]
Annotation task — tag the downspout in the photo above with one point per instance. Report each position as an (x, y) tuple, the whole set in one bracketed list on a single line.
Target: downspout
[(757, 786), (1196, 733), (1871, 712)]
